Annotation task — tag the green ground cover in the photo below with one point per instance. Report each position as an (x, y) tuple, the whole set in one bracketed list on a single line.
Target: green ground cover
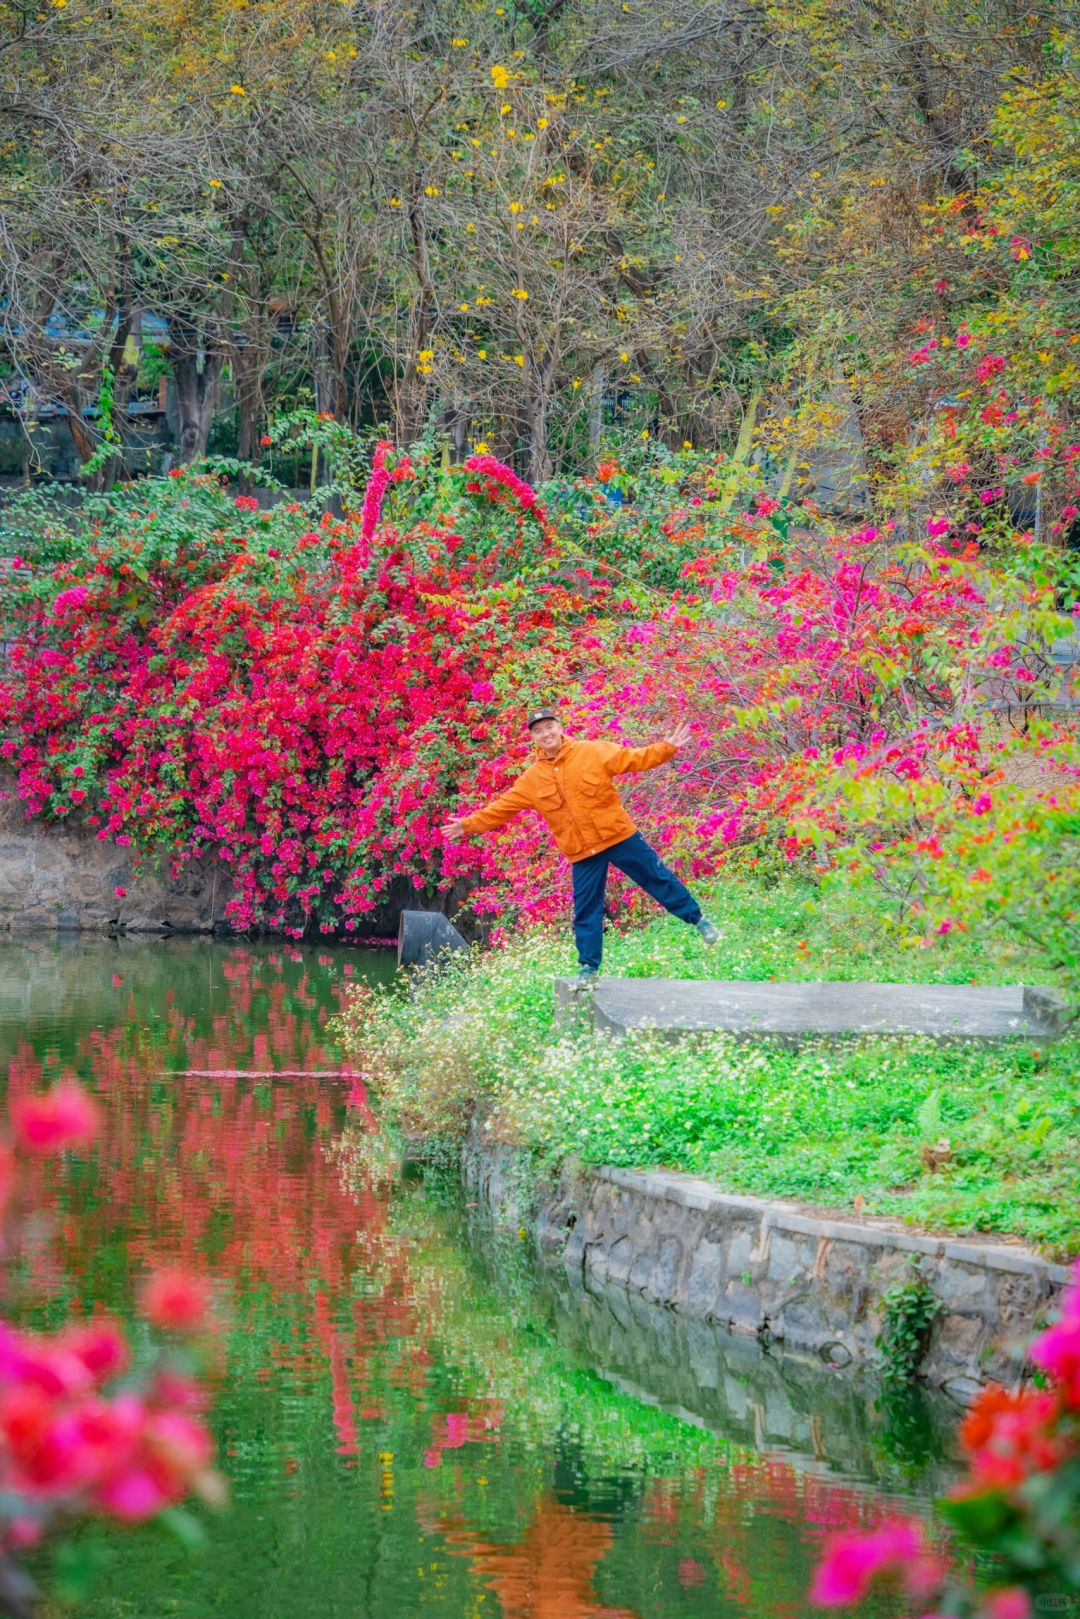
[(827, 1123)]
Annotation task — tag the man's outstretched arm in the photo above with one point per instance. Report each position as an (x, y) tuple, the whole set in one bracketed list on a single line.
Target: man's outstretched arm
[(497, 813), (622, 761)]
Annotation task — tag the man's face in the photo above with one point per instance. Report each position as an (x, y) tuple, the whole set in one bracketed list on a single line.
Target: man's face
[(547, 736)]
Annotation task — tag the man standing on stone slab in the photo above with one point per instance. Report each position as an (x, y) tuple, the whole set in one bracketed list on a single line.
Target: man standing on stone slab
[(570, 784)]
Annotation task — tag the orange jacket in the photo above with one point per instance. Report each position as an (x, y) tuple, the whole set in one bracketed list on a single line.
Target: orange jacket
[(575, 795)]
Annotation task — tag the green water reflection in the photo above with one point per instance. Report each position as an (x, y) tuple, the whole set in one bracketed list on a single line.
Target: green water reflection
[(412, 1421)]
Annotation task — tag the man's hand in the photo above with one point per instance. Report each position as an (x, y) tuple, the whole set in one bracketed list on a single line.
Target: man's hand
[(679, 736), (454, 832)]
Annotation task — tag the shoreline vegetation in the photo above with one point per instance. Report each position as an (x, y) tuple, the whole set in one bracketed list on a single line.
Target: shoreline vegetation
[(960, 1138)]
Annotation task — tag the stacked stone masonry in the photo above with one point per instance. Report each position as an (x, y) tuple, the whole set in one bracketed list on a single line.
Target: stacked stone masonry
[(61, 877), (777, 1272)]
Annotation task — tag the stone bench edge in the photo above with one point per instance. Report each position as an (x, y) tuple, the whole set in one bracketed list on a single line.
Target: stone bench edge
[(691, 1192)]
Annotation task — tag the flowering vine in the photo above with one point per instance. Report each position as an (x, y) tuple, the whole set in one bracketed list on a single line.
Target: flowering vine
[(1018, 1501), (82, 1430)]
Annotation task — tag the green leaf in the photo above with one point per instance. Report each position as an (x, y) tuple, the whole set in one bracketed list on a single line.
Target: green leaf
[(184, 1527), (929, 1117), (981, 1517), (78, 1566)]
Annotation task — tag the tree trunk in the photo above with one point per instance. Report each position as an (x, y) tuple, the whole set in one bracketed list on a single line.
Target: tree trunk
[(247, 369), (196, 371), (83, 438), (409, 389), (538, 382), (596, 408), (455, 424)]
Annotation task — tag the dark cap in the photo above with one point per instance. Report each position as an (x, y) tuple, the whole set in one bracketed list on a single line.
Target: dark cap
[(541, 714)]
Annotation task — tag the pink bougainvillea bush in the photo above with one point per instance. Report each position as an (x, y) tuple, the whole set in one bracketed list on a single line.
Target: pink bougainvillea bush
[(307, 702), (1019, 1502), (83, 1430), (296, 702)]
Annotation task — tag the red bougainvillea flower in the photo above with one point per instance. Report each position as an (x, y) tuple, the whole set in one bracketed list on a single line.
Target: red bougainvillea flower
[(7, 1175), (853, 1562), (45, 1364), (100, 1346), (61, 1438), (1057, 1350), (490, 467), (1009, 1602), (176, 1300), (1009, 1437), (382, 476), (66, 1116), (172, 1451)]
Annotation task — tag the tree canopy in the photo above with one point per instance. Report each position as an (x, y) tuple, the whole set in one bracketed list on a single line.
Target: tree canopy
[(503, 222)]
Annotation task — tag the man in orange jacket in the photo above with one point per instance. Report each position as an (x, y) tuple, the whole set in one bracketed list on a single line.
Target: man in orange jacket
[(570, 784)]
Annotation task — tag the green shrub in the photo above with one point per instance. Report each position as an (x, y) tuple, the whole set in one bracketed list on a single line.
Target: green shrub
[(835, 1123)]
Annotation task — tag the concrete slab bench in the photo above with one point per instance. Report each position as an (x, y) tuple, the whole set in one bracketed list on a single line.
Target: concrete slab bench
[(677, 1007)]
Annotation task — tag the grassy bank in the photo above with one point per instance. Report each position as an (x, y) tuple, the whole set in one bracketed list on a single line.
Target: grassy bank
[(843, 1125)]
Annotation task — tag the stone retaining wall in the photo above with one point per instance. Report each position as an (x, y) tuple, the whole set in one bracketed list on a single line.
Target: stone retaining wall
[(60, 877), (771, 1400), (778, 1272)]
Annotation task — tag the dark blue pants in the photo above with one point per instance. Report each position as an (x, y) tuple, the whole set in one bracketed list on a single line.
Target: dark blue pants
[(636, 860)]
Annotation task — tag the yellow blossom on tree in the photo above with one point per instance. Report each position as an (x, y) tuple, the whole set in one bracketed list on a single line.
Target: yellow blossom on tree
[(520, 294), (237, 90), (500, 78)]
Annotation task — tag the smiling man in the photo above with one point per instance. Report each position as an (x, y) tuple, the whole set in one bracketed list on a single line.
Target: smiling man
[(570, 784)]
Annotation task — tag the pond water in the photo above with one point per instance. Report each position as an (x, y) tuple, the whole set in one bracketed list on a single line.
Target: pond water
[(411, 1419)]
